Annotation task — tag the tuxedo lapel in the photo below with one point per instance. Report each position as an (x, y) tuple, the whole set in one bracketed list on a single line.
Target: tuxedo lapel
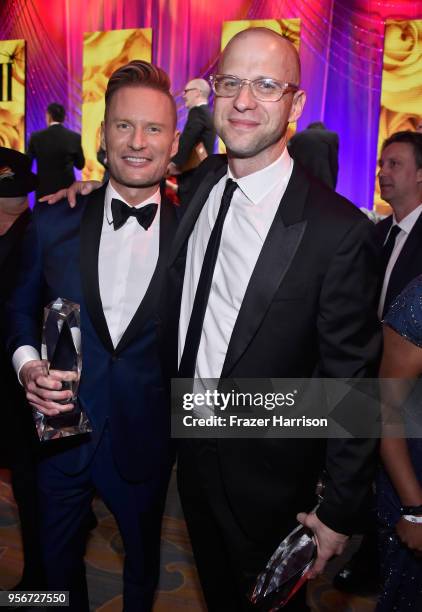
[(149, 304), (193, 210), (90, 235), (276, 256)]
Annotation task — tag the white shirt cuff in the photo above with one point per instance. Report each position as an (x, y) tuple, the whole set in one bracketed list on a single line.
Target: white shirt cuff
[(22, 355)]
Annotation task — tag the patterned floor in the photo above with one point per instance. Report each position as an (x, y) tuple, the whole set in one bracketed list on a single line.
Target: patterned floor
[(178, 590)]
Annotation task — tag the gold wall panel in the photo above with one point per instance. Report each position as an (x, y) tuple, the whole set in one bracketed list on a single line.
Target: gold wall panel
[(12, 94), (401, 90)]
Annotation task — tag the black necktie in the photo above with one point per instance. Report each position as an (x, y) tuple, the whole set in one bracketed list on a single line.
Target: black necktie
[(386, 251), (388, 247), (121, 213), (193, 335)]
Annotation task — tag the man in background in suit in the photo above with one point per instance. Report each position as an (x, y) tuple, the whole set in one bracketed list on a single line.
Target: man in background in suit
[(400, 180), (18, 443), (278, 276), (316, 148), (400, 236), (198, 130), (108, 255), (57, 150)]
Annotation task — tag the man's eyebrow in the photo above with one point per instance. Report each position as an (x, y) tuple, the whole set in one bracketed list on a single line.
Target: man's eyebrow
[(148, 123)]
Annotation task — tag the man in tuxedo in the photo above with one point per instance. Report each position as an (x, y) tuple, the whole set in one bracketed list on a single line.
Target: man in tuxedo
[(106, 254), (316, 148), (199, 128), (400, 238), (18, 442), (278, 279), (56, 149)]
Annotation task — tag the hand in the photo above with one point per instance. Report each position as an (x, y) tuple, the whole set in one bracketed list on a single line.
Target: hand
[(78, 187), (328, 542), (410, 534), (43, 388), (172, 169)]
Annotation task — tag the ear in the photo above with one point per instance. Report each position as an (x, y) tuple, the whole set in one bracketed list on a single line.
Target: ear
[(419, 175), (175, 143), (103, 143), (298, 103)]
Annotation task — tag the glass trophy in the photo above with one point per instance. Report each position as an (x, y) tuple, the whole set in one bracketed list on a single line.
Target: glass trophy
[(61, 347)]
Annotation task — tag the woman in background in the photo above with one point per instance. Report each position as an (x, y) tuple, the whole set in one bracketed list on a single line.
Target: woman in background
[(399, 487)]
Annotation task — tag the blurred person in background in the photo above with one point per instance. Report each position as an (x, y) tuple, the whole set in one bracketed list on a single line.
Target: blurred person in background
[(18, 439), (198, 136), (57, 150)]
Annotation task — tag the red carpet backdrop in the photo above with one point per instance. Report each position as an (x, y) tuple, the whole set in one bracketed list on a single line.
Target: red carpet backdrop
[(341, 48)]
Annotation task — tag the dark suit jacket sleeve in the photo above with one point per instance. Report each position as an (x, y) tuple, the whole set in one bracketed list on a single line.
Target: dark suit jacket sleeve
[(190, 136), (24, 307), (350, 348), (79, 159)]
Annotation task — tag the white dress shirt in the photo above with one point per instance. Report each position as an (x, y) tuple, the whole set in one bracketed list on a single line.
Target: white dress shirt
[(126, 262), (245, 229), (406, 226)]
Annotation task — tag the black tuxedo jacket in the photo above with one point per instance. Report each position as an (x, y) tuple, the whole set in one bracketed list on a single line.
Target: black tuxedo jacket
[(56, 150), (17, 436), (409, 262), (199, 127), (121, 385), (309, 311), (317, 151)]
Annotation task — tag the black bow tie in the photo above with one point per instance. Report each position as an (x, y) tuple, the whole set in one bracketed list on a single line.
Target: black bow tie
[(121, 213)]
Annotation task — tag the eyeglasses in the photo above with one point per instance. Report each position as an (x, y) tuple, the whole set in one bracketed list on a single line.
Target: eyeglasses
[(190, 89), (263, 89)]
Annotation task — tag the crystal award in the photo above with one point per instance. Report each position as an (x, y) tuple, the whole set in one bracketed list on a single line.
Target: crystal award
[(61, 347)]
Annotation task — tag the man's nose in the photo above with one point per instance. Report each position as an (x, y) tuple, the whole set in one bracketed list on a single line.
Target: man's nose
[(244, 100), (138, 139)]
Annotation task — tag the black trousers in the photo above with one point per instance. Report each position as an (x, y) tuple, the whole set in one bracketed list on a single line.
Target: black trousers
[(228, 561)]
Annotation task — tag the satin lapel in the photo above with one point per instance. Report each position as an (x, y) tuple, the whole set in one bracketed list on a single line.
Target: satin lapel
[(90, 235), (276, 256), (149, 304), (193, 210)]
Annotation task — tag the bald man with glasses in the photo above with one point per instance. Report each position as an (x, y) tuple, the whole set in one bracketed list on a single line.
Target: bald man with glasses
[(271, 275)]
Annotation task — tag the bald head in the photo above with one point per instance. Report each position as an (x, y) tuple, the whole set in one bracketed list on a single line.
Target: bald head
[(202, 86), (197, 91), (273, 43), (253, 129)]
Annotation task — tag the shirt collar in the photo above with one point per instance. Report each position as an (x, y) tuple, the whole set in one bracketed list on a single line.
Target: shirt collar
[(409, 220), (252, 184), (112, 193)]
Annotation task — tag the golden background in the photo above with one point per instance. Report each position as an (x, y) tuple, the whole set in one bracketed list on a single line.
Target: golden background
[(12, 114), (401, 91), (103, 53)]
